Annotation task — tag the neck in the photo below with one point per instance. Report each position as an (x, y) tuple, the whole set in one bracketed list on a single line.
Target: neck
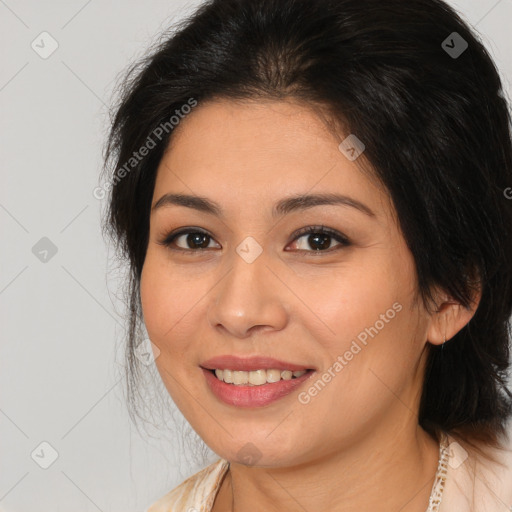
[(384, 471)]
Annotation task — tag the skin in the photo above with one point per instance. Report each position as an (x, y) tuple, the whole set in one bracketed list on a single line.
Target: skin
[(357, 444)]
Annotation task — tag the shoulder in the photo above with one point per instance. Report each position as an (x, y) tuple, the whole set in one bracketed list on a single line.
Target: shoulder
[(475, 484), (195, 493)]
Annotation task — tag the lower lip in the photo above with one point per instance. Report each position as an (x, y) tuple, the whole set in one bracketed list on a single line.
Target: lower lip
[(253, 396)]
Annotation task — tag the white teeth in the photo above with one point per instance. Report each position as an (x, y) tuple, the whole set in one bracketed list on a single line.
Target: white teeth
[(240, 378), (256, 377), (273, 375)]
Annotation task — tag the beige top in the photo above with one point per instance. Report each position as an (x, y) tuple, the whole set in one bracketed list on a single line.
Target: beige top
[(489, 491)]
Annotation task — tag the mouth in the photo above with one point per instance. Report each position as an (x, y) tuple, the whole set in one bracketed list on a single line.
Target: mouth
[(256, 377), (254, 381), (252, 389)]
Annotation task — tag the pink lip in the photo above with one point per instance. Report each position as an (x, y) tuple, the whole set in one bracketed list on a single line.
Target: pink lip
[(248, 364), (252, 396)]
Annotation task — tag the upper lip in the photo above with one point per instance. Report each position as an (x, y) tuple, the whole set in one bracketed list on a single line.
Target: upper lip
[(248, 364)]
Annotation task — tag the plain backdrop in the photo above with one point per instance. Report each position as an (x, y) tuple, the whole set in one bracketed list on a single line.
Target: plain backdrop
[(61, 400)]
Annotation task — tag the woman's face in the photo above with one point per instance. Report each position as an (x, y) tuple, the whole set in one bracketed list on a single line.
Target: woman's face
[(255, 286)]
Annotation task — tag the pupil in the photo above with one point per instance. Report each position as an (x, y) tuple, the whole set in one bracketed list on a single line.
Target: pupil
[(194, 239), (324, 245)]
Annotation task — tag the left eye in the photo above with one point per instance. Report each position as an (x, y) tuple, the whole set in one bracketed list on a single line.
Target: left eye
[(319, 238)]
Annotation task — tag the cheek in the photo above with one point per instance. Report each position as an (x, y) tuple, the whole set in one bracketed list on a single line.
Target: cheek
[(349, 301), (152, 297), (171, 303), (367, 319), (161, 309)]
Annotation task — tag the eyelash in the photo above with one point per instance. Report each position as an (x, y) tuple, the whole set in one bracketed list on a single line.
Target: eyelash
[(322, 230)]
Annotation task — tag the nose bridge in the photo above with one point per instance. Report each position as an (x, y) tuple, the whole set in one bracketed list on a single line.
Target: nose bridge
[(249, 294)]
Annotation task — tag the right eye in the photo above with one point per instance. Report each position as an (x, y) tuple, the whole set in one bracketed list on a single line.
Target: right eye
[(192, 240)]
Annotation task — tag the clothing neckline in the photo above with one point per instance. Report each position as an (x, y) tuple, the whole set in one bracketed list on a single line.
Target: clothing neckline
[(436, 495)]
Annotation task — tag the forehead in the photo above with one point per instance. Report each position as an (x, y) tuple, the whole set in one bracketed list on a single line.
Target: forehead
[(240, 152)]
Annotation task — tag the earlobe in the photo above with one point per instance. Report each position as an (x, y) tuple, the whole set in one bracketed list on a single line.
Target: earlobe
[(437, 331), (448, 320), (451, 316)]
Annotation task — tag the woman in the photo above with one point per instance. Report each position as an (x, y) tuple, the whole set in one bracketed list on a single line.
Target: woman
[(311, 195)]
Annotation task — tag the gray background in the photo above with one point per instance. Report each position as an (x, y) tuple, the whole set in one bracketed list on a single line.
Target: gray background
[(62, 325)]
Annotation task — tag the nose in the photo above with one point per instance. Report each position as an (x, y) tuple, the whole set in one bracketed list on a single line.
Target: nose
[(248, 299)]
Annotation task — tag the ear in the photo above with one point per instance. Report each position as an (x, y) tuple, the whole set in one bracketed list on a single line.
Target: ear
[(450, 317)]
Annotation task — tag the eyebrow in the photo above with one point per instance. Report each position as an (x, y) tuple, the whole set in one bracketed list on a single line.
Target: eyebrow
[(282, 207)]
